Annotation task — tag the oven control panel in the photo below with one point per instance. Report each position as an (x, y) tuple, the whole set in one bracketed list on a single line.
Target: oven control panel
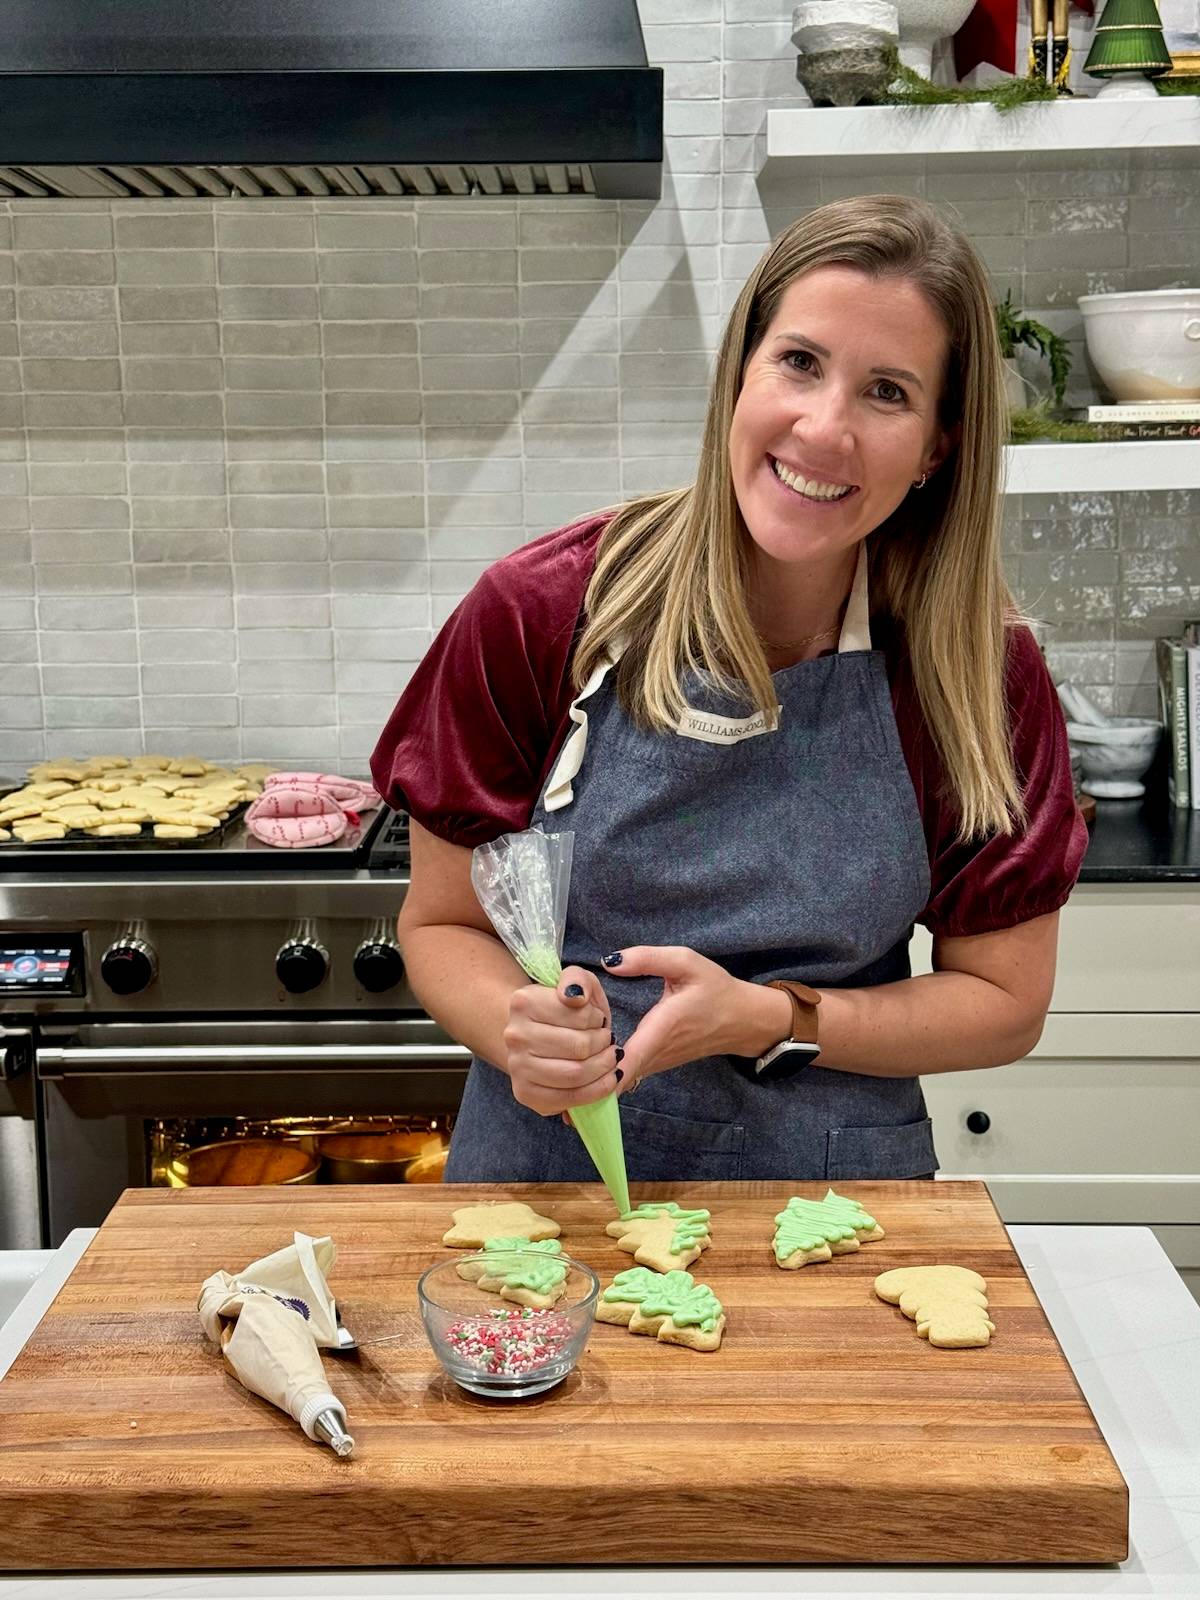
[(42, 964)]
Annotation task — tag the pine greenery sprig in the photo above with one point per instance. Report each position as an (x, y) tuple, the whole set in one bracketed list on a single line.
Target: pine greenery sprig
[(909, 88)]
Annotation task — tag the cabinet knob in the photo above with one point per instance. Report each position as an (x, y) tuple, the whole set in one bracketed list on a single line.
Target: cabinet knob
[(978, 1121)]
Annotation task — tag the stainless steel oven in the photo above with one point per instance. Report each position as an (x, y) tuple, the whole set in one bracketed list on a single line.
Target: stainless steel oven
[(236, 991)]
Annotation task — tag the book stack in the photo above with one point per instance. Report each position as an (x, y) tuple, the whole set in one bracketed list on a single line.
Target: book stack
[(1149, 419), (1179, 696)]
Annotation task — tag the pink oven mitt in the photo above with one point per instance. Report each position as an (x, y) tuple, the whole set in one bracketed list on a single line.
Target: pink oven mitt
[(298, 809)]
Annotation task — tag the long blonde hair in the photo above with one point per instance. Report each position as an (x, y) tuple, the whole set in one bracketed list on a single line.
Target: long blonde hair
[(671, 574)]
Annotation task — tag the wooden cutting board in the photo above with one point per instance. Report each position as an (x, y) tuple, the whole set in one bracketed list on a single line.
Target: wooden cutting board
[(825, 1429)]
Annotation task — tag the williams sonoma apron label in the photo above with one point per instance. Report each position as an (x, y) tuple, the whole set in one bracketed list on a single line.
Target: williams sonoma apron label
[(714, 729)]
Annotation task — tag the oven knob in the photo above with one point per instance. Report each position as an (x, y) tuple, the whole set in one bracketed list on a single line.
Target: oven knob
[(301, 965), (378, 965), (129, 966)]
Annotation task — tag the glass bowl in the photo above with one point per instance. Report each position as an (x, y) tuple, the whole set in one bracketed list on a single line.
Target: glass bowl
[(492, 1344)]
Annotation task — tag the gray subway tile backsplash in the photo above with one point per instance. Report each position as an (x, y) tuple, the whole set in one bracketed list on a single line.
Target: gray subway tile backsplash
[(253, 454)]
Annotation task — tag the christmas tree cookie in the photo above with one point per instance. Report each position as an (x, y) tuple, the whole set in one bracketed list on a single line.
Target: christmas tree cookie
[(525, 1270), (475, 1225), (671, 1306), (948, 1304), (661, 1234), (815, 1230)]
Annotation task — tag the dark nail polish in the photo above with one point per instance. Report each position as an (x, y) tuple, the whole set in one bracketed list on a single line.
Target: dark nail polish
[(618, 1075), (620, 1053), (573, 991), (613, 960)]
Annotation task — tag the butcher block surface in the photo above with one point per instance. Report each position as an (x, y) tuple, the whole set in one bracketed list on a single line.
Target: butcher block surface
[(825, 1430)]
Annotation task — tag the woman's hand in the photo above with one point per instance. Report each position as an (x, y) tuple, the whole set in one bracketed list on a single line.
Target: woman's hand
[(703, 1011), (560, 1044)]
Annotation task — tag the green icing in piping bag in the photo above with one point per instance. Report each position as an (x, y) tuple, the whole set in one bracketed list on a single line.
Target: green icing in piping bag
[(599, 1126), (542, 964)]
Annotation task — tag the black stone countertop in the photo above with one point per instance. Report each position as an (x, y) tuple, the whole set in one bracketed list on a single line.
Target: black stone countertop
[(1143, 841)]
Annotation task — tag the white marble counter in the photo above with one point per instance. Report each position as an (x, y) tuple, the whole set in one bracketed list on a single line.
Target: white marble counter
[(1128, 1326)]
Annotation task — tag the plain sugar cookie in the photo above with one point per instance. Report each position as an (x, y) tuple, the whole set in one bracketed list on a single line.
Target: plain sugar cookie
[(504, 1219), (948, 1304)]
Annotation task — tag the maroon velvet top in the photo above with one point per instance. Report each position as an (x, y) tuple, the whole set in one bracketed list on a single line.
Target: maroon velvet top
[(474, 736)]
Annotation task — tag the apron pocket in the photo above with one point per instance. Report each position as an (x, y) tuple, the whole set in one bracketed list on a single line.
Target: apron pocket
[(661, 1149), (899, 1151)]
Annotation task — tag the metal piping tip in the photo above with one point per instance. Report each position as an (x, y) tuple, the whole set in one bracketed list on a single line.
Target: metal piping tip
[(328, 1426)]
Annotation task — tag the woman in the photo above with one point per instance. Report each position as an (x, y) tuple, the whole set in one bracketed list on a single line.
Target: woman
[(787, 712)]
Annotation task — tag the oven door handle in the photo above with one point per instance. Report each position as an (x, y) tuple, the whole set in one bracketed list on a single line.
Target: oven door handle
[(67, 1061)]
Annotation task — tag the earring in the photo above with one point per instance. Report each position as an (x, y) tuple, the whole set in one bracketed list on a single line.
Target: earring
[(921, 485)]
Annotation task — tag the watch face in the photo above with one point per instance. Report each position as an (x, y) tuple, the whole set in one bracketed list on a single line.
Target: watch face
[(794, 1058)]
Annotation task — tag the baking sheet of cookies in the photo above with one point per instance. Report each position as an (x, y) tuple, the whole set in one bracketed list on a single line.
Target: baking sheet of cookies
[(118, 802)]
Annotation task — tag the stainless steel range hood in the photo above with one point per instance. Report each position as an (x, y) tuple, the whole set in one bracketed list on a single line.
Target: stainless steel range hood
[(195, 98)]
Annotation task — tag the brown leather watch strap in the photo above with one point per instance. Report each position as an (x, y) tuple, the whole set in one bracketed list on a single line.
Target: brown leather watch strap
[(804, 1009)]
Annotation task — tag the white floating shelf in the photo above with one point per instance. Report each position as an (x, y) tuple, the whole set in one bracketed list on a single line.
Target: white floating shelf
[(1053, 468), (890, 138)]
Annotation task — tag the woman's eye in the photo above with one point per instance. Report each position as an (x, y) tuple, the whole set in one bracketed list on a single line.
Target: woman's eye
[(889, 391), (794, 357)]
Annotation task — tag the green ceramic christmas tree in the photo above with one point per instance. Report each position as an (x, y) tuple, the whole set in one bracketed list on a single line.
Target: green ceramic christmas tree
[(1128, 48)]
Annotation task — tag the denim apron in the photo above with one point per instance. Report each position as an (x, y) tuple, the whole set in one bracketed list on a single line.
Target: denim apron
[(797, 853)]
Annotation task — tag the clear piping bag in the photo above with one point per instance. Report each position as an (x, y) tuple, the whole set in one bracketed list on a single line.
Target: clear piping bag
[(522, 882), (270, 1322)]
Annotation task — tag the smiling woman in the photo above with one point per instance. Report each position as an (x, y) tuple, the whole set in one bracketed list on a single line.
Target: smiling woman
[(787, 711)]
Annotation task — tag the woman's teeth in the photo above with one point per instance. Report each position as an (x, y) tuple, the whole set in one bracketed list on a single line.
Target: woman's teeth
[(809, 487)]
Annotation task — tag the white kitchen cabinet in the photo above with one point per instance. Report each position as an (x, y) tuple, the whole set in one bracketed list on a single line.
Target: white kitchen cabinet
[(1101, 1122)]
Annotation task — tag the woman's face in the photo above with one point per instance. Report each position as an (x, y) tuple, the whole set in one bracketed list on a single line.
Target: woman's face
[(837, 416)]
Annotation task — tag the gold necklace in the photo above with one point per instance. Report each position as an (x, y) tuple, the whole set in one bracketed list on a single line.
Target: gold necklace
[(809, 638)]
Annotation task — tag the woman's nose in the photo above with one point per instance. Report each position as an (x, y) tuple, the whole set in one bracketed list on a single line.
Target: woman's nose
[(824, 422)]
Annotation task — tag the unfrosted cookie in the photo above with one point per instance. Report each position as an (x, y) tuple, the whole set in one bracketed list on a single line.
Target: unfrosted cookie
[(116, 830), (523, 1270), (661, 1234), (503, 1219), (948, 1304), (58, 770), (174, 830), (39, 832), (15, 810), (815, 1230), (670, 1306)]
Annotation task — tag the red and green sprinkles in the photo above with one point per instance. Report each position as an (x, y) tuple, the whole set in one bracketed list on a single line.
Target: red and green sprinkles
[(510, 1341)]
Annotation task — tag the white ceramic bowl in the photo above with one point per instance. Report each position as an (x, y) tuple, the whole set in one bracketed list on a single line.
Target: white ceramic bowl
[(1145, 345), (1115, 758)]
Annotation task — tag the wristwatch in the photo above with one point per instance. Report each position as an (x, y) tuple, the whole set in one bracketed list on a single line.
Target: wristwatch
[(800, 1048)]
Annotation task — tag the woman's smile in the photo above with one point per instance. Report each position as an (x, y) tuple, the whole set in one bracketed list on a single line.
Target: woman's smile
[(820, 492)]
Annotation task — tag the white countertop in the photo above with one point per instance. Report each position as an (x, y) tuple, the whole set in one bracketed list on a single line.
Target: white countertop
[(1126, 1323)]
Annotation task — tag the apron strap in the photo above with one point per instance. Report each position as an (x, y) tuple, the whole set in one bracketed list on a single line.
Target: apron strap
[(856, 624), (559, 792)]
